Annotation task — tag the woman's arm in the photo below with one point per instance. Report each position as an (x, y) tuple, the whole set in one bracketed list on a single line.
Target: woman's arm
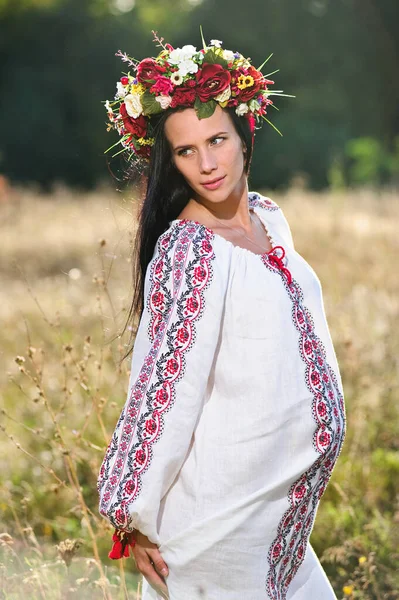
[(172, 358)]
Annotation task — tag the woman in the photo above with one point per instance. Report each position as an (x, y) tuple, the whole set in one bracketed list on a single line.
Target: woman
[(235, 413)]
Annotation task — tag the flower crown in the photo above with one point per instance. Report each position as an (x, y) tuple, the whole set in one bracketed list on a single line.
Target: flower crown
[(185, 77)]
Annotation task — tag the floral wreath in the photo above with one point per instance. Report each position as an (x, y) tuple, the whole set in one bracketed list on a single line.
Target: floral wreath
[(185, 77)]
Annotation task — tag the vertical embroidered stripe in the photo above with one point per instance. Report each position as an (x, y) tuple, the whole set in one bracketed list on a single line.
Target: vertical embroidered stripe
[(179, 275), (287, 550)]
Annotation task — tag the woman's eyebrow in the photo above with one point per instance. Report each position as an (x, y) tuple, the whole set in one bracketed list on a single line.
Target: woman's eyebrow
[(208, 140)]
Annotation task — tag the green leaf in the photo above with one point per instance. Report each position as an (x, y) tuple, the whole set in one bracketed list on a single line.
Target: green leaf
[(202, 38), (149, 104), (264, 62), (113, 146), (204, 109), (270, 93), (270, 123), (120, 152), (212, 58), (270, 74)]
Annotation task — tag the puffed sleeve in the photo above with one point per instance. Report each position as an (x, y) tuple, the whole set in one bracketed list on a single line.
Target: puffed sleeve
[(275, 215), (174, 349), (285, 229)]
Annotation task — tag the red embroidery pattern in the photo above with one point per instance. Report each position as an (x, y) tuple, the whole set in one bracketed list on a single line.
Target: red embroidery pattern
[(175, 302), (287, 550), (256, 199)]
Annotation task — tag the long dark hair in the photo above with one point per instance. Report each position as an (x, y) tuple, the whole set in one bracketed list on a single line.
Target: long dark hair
[(166, 195)]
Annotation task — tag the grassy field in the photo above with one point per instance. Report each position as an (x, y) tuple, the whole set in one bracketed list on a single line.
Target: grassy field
[(65, 287)]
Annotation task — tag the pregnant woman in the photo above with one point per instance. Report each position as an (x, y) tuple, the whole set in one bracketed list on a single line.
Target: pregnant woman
[(235, 414)]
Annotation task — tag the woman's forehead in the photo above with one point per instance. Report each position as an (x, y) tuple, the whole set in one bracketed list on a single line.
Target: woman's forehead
[(186, 124)]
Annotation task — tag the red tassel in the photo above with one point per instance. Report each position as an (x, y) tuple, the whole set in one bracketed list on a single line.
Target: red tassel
[(120, 548), (116, 551), (116, 536)]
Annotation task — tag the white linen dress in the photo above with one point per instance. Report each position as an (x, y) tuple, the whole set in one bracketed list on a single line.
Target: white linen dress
[(234, 417)]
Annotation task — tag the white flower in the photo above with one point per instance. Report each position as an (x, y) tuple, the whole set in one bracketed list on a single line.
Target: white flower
[(228, 55), (216, 43), (253, 105), (133, 105), (179, 55), (223, 96), (108, 107), (121, 90), (186, 67), (164, 101), (242, 109), (176, 78)]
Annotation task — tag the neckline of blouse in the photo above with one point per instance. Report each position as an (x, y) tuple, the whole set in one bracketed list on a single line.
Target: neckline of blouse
[(235, 246)]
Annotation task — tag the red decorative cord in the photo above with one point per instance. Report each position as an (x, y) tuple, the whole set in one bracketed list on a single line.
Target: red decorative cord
[(278, 261), (122, 540)]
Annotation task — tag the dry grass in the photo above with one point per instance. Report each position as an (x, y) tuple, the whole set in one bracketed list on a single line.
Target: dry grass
[(66, 284)]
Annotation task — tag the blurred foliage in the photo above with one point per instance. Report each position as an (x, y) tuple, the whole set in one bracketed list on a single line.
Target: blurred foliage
[(371, 163), (339, 58)]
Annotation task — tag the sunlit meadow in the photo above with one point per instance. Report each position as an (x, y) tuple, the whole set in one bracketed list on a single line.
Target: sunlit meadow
[(65, 274)]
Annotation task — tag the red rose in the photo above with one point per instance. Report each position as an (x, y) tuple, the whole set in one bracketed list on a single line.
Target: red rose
[(124, 80), (183, 96), (137, 127), (144, 152), (163, 85), (149, 70), (211, 81)]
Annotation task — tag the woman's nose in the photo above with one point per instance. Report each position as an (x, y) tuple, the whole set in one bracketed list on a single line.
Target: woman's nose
[(207, 161)]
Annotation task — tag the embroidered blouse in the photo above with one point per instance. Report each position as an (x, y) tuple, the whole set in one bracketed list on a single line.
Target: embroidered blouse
[(234, 417)]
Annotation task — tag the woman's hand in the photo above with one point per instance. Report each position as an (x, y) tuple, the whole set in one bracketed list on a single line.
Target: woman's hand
[(150, 563)]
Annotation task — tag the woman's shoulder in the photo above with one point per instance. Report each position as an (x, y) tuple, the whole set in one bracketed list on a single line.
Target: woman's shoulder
[(189, 253), (184, 236), (190, 237), (255, 199), (183, 267), (275, 215)]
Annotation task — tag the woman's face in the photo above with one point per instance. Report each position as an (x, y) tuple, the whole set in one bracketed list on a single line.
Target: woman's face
[(205, 150)]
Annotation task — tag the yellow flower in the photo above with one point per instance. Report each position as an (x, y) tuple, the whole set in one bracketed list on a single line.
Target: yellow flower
[(137, 88), (245, 81), (348, 590), (144, 142), (362, 560)]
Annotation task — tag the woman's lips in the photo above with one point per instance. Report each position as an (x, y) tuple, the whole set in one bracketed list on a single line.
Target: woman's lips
[(214, 185)]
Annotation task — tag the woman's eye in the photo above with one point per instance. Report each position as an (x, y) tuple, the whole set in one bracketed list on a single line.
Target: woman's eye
[(187, 151), (183, 152)]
